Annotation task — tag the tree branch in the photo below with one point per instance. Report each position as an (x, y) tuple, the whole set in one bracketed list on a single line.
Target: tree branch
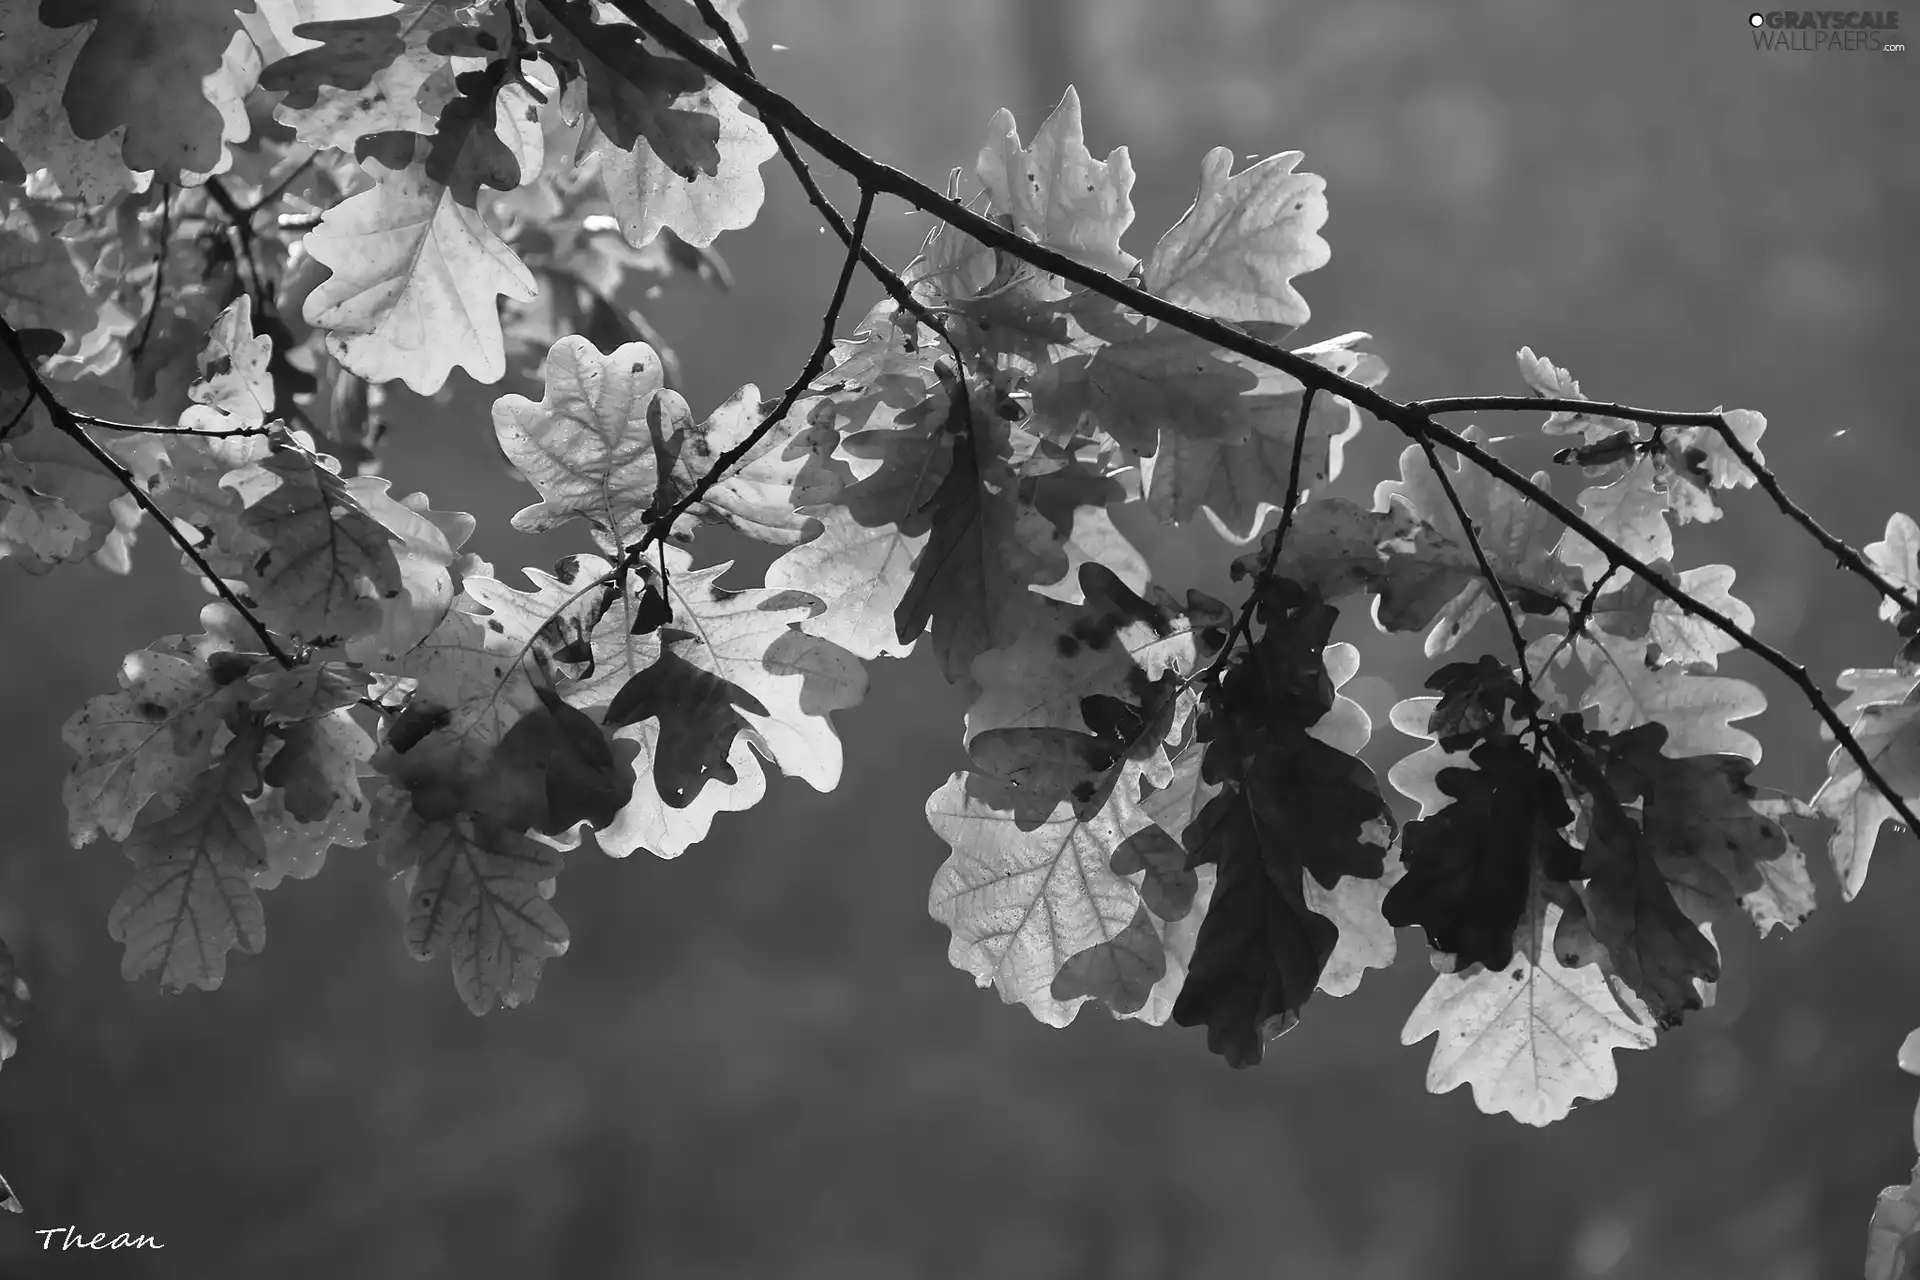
[(1844, 555), (1417, 424), (1847, 557), (68, 424), (1563, 404)]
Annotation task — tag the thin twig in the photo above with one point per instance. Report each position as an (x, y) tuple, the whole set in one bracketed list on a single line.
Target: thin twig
[(107, 424), (69, 425), (26, 404), (660, 528), (280, 188), (888, 279), (240, 223), (1243, 624), (1531, 704), (1847, 557), (1563, 404), (1492, 579), (875, 176), (159, 271), (1577, 623)]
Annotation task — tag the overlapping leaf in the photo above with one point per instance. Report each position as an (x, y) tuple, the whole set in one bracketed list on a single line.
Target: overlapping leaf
[(1471, 866), (1513, 532), (477, 675), (1087, 685), (1886, 724), (40, 284), (1291, 805), (358, 76), (1702, 457), (143, 69), (634, 93), (314, 798), (192, 900), (62, 482), (1636, 610), (1142, 383), (937, 523), (38, 531), (1531, 1039), (861, 563), (36, 62), (1631, 686), (1055, 192), (415, 286), (1024, 898), (1239, 481), (1661, 954), (733, 663), (235, 388), (1897, 558), (426, 544), (696, 687), (315, 563), (478, 891), (1546, 379), (1234, 253), (608, 443), (156, 735), (1713, 836), (1893, 1234)]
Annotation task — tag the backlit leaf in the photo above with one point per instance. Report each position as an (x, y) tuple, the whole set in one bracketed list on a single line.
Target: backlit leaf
[(191, 900), (1531, 1039), (155, 736), (416, 281), (474, 892), (1056, 192), (1234, 253)]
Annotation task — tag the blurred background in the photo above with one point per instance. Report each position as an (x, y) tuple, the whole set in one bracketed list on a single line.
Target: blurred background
[(755, 1061)]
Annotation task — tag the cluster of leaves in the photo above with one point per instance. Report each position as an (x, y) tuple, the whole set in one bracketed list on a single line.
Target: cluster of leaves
[(226, 234)]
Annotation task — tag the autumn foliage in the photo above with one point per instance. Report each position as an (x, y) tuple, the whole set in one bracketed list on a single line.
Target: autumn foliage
[(226, 232)]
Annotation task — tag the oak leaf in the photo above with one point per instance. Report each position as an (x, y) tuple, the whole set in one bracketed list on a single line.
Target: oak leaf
[(1234, 253), (1056, 193), (415, 284), (1531, 1039)]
